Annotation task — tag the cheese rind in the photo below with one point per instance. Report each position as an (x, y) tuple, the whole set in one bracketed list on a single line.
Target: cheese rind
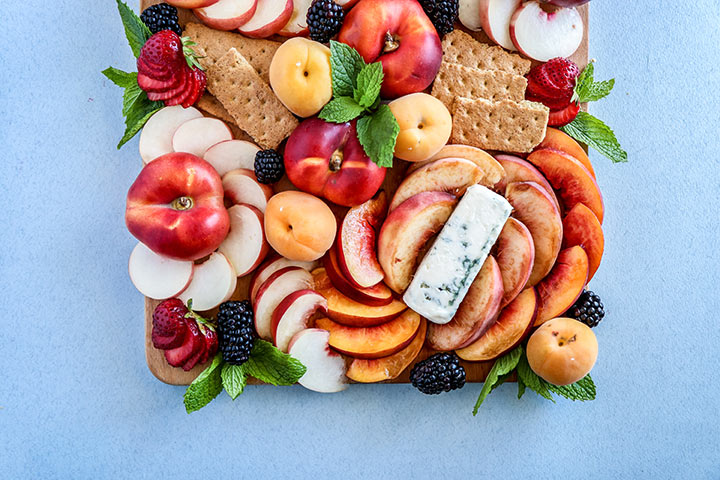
[(444, 276)]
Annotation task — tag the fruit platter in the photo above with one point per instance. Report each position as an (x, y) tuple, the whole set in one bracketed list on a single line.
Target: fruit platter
[(337, 192)]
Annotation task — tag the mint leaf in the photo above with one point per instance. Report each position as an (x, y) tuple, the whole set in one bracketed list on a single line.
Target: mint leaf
[(531, 380), (369, 81), (503, 366), (136, 31), (521, 388), (120, 78), (137, 116), (588, 90), (582, 390), (133, 96), (594, 133), (345, 65), (270, 365), (233, 379), (205, 387), (377, 134), (341, 110), (502, 379)]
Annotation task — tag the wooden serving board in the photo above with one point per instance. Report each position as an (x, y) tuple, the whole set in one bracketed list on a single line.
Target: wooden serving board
[(476, 371)]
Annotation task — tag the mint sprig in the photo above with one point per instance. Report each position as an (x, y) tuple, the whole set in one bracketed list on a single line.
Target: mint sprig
[(270, 365), (588, 90), (205, 387), (136, 31), (503, 366), (356, 92), (234, 379)]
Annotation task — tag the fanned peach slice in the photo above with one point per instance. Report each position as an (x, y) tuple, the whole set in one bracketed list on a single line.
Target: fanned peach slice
[(533, 207), (559, 290), (406, 232), (513, 325), (372, 342), (519, 170), (492, 170), (476, 313), (347, 311), (356, 244), (515, 255), (387, 368), (452, 175), (558, 140), (375, 296), (581, 227), (570, 179)]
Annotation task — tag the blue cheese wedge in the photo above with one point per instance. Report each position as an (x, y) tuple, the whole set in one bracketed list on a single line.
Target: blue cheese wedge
[(444, 276)]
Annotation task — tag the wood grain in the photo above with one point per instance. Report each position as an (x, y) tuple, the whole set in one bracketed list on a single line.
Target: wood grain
[(476, 371)]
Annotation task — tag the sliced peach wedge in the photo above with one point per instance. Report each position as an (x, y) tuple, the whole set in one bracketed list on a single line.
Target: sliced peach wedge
[(356, 242), (558, 140), (519, 170), (581, 227), (372, 342), (375, 296), (387, 368), (347, 311), (406, 232), (559, 290), (513, 325), (476, 313), (492, 171), (571, 180), (451, 175), (515, 255), (533, 207)]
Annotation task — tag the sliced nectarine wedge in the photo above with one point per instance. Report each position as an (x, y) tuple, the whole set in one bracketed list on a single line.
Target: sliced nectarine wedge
[(375, 296), (519, 170), (570, 179), (476, 313), (347, 311), (515, 255), (581, 227), (492, 170), (372, 342), (558, 140), (559, 290), (387, 368), (513, 325), (533, 207)]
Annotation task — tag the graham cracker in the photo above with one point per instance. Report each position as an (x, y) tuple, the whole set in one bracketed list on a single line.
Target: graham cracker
[(455, 80), (249, 100), (215, 43), (459, 47), (505, 125), (210, 106)]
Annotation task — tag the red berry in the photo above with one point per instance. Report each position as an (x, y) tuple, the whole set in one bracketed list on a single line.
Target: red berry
[(193, 343), (211, 344), (553, 82), (562, 117), (169, 325), (163, 50)]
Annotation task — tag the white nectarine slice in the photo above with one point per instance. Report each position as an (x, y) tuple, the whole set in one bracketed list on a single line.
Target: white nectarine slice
[(297, 25), (157, 135), (325, 368), (231, 155), (292, 315), (273, 291), (269, 18), (227, 14), (451, 175), (495, 18), (542, 35), (562, 287), (196, 136), (156, 276), (211, 282), (245, 246), (476, 313), (241, 186), (469, 14), (515, 254), (272, 265), (406, 232), (512, 326), (535, 209), (581, 227)]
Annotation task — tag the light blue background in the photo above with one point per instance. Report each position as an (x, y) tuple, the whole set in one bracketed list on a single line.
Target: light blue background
[(77, 400)]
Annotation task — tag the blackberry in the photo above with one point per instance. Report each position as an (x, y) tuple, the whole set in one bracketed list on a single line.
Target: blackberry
[(440, 373), (588, 309), (442, 13), (236, 333), (269, 166), (161, 17), (324, 19)]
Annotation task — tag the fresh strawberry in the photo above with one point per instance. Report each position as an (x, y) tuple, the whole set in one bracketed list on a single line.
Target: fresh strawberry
[(552, 104), (185, 77), (164, 49), (553, 83), (185, 93), (195, 358), (558, 118), (169, 326), (153, 85), (193, 342), (198, 88), (211, 343)]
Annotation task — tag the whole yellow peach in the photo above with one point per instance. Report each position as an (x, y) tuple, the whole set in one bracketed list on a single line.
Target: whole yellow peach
[(300, 76), (562, 351), (425, 126)]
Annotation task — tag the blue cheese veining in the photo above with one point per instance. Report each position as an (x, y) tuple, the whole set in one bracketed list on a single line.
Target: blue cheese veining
[(444, 276)]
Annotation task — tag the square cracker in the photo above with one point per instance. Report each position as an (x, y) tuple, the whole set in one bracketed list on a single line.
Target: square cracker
[(215, 43), (459, 47), (505, 125), (455, 80), (249, 100)]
